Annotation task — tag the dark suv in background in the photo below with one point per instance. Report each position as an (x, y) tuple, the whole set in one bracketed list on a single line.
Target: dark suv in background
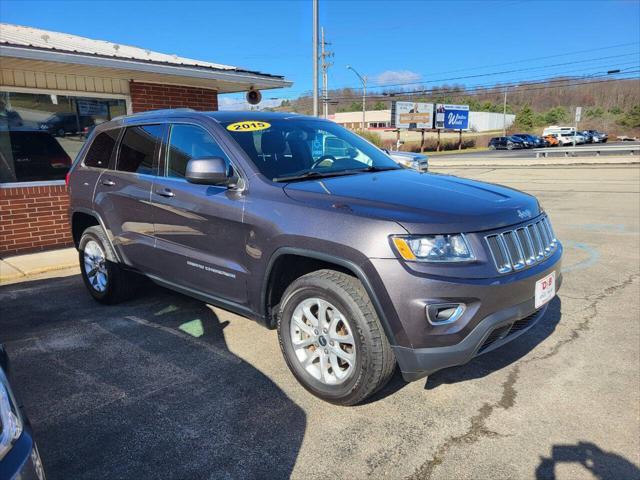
[(507, 143), (360, 264)]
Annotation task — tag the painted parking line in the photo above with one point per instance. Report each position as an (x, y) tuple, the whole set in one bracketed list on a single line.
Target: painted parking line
[(593, 256)]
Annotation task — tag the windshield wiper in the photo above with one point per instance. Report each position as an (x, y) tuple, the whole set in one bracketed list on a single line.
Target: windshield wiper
[(314, 174), (373, 168)]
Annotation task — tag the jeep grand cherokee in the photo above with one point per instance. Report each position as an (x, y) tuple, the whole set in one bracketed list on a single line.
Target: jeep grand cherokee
[(358, 263)]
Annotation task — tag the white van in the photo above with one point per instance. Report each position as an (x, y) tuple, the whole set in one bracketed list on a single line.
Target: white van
[(555, 129)]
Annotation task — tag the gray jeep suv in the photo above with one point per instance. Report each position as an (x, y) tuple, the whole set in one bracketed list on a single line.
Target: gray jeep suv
[(360, 264)]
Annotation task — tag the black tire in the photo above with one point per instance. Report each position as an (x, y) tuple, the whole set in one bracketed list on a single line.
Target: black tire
[(120, 283), (509, 146), (61, 132), (374, 361)]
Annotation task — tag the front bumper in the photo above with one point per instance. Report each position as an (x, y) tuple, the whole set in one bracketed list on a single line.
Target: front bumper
[(498, 309), (491, 333)]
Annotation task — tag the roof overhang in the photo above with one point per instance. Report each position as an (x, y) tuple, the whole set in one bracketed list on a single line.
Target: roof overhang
[(231, 80)]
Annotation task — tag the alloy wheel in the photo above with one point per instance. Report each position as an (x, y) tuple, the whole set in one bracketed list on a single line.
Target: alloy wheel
[(95, 266), (323, 341)]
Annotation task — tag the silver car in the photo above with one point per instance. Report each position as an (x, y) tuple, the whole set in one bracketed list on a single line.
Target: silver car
[(415, 161)]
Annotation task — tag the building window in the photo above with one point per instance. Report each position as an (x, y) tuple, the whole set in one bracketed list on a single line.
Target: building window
[(41, 134)]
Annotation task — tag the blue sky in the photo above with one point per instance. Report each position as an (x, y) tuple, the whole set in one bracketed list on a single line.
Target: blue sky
[(388, 41)]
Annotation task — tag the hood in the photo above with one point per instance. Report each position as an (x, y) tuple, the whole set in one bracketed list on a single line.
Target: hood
[(420, 202)]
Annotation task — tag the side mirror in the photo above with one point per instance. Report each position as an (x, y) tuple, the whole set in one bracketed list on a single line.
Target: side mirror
[(207, 171)]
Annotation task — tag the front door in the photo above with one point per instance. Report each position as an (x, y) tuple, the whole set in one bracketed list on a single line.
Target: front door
[(199, 232)]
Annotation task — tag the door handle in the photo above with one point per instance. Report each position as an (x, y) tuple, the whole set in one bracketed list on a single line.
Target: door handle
[(165, 192), (108, 183)]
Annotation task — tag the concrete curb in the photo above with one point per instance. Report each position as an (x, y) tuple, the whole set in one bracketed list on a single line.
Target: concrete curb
[(24, 267)]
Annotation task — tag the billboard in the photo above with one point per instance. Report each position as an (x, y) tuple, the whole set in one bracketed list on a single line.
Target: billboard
[(411, 115), (452, 117)]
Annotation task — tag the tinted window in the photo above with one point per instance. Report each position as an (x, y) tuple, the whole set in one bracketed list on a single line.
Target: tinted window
[(100, 151), (187, 142), (138, 149)]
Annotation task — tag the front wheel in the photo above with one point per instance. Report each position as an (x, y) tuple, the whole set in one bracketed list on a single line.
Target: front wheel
[(509, 146), (332, 339)]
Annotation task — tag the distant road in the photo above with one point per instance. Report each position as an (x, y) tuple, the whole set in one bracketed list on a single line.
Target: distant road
[(530, 152)]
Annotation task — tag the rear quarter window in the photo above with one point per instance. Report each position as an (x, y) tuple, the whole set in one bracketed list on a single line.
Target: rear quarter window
[(101, 149)]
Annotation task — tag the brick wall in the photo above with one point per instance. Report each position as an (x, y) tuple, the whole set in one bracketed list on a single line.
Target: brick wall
[(34, 218), (151, 96)]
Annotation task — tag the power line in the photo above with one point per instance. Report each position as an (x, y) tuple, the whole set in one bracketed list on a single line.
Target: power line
[(492, 74), (546, 57)]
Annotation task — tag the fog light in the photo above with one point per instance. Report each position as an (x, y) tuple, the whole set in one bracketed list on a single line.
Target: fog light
[(444, 313)]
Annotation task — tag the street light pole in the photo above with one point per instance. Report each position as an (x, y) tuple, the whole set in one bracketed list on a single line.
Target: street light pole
[(315, 58), (364, 95), (504, 113)]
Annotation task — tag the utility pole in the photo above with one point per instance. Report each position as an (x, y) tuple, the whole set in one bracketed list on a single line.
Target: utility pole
[(325, 67), (315, 58), (504, 113), (364, 95)]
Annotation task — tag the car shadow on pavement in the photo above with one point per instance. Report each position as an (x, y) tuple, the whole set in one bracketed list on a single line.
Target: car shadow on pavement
[(600, 464), (144, 389), (504, 356)]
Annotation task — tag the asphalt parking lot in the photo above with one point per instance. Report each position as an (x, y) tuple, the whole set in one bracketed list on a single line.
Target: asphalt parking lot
[(165, 387)]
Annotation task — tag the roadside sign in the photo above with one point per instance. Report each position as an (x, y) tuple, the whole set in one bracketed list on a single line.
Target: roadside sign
[(578, 113), (452, 117), (412, 115)]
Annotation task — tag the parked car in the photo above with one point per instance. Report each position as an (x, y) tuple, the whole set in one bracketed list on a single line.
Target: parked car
[(597, 136), (358, 263), (19, 457), (530, 141), (588, 137), (509, 143), (62, 123), (35, 155), (564, 139), (575, 137), (552, 140), (416, 161)]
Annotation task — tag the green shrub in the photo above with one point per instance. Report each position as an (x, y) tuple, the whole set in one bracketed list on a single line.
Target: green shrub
[(373, 137)]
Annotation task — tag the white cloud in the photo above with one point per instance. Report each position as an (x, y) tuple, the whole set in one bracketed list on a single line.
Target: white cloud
[(391, 77), (238, 103)]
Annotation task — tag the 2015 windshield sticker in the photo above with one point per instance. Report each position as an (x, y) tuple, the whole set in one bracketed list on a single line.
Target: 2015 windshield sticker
[(248, 126)]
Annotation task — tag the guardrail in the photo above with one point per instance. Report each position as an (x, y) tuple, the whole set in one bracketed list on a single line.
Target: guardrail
[(572, 151)]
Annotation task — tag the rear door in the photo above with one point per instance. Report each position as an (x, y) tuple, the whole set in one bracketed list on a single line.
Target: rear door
[(200, 236), (123, 195)]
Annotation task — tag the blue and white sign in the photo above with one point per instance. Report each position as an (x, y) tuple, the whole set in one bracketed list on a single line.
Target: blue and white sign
[(452, 117)]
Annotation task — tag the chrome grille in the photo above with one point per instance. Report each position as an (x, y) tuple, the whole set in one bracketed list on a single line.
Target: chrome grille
[(522, 247)]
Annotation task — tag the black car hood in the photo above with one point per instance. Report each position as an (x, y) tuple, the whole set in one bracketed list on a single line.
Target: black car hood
[(420, 202)]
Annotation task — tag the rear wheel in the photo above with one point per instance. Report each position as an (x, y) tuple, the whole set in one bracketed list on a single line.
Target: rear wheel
[(509, 146), (106, 281), (331, 338)]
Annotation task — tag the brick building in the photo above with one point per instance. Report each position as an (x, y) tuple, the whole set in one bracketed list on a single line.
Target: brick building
[(54, 87)]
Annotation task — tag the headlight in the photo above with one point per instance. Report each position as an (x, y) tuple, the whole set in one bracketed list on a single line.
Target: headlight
[(434, 248), (10, 421)]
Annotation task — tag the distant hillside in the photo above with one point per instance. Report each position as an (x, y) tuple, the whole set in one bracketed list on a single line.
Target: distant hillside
[(609, 105)]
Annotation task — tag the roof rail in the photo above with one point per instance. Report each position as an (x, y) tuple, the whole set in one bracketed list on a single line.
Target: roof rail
[(153, 112)]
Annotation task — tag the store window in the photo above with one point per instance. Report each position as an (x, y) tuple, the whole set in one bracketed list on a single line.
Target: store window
[(41, 134)]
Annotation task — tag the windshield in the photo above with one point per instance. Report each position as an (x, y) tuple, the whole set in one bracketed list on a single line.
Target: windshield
[(287, 148)]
